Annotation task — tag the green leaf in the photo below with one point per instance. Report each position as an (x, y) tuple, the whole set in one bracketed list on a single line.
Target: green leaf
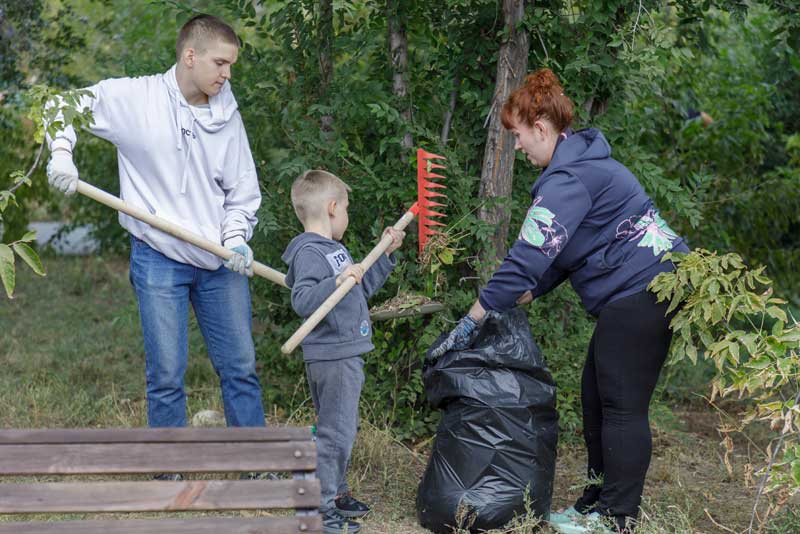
[(760, 363), (691, 352), (446, 256), (7, 269), (796, 472), (777, 313), (30, 257), (28, 237), (792, 336), (734, 348)]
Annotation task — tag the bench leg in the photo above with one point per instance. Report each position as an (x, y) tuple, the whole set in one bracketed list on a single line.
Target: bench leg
[(305, 475)]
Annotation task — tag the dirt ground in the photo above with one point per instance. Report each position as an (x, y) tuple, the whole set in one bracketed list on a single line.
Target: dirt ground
[(687, 478)]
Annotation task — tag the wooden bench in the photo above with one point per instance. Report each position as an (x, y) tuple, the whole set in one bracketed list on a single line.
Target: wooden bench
[(147, 451)]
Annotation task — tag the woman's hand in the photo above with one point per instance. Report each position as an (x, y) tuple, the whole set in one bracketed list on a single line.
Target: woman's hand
[(463, 334), (526, 298), (459, 338)]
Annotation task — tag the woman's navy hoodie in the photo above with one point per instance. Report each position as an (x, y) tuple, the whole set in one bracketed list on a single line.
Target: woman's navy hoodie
[(591, 222)]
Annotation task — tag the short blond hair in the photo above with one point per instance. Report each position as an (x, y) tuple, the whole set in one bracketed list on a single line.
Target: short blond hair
[(311, 192)]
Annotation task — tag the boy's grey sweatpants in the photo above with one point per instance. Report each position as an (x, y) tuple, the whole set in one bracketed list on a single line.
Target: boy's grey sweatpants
[(335, 389)]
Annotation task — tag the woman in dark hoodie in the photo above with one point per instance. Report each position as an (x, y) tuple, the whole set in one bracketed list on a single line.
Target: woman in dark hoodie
[(590, 221)]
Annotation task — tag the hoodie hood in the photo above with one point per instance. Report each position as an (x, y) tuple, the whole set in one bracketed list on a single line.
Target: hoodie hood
[(222, 105), (306, 238), (581, 146)]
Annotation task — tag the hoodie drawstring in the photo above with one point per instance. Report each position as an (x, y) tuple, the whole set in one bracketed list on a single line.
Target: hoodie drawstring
[(179, 146), (185, 175)]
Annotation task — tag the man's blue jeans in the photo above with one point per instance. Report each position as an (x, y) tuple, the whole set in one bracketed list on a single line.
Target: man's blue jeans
[(221, 302)]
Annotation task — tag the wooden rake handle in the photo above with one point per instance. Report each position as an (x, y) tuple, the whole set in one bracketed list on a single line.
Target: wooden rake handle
[(118, 204), (325, 308)]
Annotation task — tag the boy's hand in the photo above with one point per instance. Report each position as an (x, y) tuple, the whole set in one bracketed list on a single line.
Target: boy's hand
[(397, 239), (356, 271)]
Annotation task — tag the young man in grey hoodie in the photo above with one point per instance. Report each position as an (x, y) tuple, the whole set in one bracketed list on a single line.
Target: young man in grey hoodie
[(318, 263), (184, 156)]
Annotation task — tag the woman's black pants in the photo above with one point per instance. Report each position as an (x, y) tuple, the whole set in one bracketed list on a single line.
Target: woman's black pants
[(626, 354)]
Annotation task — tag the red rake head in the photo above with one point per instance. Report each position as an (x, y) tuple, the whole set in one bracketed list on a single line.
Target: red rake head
[(424, 194)]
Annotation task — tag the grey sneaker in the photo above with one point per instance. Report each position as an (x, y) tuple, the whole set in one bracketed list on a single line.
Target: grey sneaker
[(335, 523), (349, 506)]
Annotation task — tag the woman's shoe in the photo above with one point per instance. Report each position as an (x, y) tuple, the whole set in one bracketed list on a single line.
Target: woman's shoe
[(593, 523), (564, 517)]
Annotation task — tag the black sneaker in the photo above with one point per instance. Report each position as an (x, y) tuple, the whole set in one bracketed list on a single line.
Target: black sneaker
[(335, 523), (174, 477), (349, 506)]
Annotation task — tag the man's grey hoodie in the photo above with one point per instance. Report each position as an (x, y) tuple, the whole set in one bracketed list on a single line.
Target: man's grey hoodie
[(314, 264)]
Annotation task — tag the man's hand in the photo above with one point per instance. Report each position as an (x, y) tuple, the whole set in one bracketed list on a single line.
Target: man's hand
[(61, 172), (460, 338), (397, 239), (356, 271), (242, 259)]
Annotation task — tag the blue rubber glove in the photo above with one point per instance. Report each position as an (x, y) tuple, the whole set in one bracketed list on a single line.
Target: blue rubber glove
[(242, 260), (460, 337)]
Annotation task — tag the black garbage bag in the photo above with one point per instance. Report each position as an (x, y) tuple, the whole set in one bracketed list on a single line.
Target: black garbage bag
[(497, 438)]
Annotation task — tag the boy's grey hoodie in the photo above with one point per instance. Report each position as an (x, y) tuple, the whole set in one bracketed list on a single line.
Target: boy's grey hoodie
[(314, 264)]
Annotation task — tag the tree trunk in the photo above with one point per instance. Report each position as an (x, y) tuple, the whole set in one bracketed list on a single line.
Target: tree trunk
[(498, 157), (451, 108), (398, 54), (325, 33)]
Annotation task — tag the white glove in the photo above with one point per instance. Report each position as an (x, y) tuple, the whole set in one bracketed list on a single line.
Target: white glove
[(62, 173), (242, 260)]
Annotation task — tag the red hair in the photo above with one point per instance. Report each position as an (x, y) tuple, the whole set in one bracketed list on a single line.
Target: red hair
[(540, 97)]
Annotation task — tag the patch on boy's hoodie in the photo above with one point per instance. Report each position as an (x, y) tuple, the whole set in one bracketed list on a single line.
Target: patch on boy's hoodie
[(338, 260)]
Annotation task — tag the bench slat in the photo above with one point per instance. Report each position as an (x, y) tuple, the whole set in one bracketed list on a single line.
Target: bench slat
[(152, 435), (108, 458), (257, 525), (157, 496)]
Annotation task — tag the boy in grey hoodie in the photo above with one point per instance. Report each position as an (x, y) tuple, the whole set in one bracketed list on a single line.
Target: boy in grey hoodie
[(318, 263)]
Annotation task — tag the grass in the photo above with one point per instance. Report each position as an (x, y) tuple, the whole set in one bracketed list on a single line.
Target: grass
[(71, 353)]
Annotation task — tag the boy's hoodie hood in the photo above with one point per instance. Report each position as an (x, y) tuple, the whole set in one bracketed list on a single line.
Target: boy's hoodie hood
[(306, 238)]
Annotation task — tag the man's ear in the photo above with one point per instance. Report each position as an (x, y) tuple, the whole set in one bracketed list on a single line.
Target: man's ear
[(189, 56), (332, 208)]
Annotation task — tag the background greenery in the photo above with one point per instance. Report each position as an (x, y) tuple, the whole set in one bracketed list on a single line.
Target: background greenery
[(636, 70)]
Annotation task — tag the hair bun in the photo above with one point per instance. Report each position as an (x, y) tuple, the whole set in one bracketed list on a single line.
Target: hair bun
[(541, 96), (543, 81)]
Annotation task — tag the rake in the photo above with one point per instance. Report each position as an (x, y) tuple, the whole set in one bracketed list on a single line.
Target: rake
[(174, 230), (421, 209)]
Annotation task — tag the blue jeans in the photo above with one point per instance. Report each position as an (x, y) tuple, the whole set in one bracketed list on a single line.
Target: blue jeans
[(221, 302)]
